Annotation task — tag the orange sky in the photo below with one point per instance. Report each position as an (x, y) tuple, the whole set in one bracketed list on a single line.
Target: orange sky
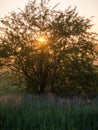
[(85, 8)]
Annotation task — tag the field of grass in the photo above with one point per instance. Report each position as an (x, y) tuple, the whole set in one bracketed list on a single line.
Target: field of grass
[(47, 113)]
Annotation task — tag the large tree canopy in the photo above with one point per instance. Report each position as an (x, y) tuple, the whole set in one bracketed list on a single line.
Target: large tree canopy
[(51, 50)]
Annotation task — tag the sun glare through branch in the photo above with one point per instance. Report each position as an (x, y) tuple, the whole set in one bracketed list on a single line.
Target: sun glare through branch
[(42, 40)]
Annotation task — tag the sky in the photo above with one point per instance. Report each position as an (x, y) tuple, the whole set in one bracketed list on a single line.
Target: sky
[(87, 8)]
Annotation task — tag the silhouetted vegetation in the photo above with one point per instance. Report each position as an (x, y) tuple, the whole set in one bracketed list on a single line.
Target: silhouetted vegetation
[(50, 50)]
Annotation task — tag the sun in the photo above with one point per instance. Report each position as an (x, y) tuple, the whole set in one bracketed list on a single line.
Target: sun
[(42, 40)]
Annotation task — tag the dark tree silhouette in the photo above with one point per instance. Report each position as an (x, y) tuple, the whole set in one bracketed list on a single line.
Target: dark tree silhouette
[(51, 50)]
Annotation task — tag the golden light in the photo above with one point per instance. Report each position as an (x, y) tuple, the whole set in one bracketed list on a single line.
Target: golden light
[(18, 49), (42, 40)]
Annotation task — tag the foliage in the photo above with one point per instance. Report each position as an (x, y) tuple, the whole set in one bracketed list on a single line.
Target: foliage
[(61, 61)]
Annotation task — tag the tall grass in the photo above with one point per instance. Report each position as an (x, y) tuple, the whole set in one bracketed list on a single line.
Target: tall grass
[(45, 113)]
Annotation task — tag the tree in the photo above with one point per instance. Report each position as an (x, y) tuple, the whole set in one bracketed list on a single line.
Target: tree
[(49, 49)]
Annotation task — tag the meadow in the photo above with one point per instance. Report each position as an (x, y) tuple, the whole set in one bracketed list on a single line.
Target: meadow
[(45, 112)]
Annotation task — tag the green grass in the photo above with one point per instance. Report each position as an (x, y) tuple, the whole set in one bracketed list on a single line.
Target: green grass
[(18, 112), (45, 113)]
